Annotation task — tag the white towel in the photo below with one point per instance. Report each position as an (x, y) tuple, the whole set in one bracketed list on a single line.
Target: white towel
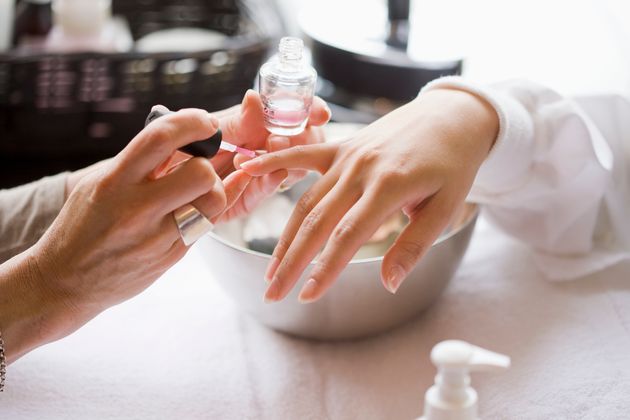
[(183, 350)]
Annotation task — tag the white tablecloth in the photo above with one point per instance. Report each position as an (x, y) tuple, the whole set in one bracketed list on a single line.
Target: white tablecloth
[(183, 350)]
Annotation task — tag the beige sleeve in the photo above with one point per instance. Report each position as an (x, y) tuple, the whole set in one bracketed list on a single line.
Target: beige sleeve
[(27, 211)]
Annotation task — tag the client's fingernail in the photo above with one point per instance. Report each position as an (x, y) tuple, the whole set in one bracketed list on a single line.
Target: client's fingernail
[(248, 164), (273, 292), (309, 292), (395, 277), (271, 268)]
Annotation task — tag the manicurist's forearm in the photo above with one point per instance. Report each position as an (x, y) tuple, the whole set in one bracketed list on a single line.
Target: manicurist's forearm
[(30, 316)]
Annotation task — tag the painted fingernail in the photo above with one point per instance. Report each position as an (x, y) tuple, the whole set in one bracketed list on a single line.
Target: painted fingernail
[(309, 292), (395, 277), (273, 291), (271, 269)]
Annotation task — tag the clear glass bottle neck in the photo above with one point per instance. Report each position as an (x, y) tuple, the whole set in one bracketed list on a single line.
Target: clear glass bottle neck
[(290, 53), (289, 64)]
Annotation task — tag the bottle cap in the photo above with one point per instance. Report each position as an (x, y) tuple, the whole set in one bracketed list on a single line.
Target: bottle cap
[(452, 397)]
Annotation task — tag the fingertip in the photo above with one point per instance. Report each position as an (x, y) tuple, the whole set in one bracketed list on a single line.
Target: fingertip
[(250, 166), (237, 177), (310, 292), (251, 98), (320, 112), (392, 276), (239, 160), (213, 202)]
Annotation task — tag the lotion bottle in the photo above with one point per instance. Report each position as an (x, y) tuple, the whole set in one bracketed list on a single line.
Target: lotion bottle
[(452, 397)]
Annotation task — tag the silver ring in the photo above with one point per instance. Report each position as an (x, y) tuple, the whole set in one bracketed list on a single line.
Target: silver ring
[(191, 224)]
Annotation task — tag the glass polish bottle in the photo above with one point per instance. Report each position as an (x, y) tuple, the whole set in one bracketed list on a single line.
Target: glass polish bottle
[(287, 85)]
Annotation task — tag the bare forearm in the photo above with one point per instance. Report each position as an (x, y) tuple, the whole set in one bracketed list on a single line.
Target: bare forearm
[(470, 118), (29, 316)]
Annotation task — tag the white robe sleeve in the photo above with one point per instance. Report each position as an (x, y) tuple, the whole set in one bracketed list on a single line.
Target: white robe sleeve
[(548, 180)]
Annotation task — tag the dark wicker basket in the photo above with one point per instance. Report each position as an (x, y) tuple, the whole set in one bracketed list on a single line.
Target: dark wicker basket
[(88, 106)]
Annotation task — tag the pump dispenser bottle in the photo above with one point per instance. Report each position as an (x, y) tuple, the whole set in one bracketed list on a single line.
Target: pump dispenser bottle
[(286, 88), (452, 397)]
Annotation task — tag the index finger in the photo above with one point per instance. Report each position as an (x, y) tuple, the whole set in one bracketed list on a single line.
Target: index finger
[(161, 138), (316, 157)]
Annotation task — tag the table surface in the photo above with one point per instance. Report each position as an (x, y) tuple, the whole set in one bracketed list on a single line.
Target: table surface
[(183, 349)]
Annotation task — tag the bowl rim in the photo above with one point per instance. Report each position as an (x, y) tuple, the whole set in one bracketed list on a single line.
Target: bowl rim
[(471, 210)]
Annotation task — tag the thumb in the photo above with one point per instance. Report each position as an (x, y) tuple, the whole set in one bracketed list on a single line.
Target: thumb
[(246, 123), (320, 112)]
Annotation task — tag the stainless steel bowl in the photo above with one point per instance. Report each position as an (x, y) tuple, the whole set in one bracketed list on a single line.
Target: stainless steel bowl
[(357, 304)]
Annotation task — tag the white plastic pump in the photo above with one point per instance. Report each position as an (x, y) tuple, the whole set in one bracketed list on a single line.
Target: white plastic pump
[(452, 397)]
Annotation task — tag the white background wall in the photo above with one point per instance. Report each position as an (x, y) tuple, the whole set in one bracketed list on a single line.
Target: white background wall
[(576, 46)]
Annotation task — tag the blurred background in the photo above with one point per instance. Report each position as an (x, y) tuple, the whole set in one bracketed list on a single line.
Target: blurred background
[(77, 77)]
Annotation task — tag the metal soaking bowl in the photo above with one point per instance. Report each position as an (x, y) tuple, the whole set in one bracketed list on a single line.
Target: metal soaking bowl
[(357, 304)]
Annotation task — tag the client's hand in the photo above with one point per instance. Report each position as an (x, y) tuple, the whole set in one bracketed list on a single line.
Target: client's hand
[(114, 236), (421, 158), (244, 126)]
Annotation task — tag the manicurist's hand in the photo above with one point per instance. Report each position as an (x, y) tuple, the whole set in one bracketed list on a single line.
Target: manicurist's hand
[(421, 159), (114, 236)]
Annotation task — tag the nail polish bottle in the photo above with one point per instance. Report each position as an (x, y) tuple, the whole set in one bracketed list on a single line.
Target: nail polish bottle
[(286, 88)]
